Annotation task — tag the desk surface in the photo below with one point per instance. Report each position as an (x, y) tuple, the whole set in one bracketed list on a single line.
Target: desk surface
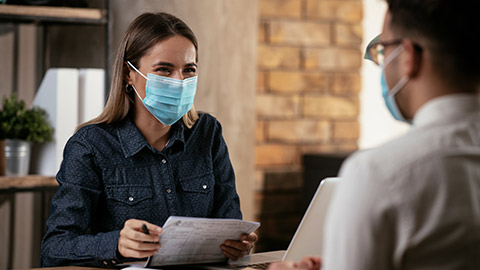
[(27, 183)]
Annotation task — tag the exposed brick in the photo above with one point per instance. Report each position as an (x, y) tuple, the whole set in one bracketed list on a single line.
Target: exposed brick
[(345, 84), (348, 35), (335, 10), (346, 130), (329, 148), (307, 101), (278, 57), (329, 107), (299, 33), (332, 58), (260, 131), (299, 131), (295, 81), (280, 8), (261, 81), (275, 154), (271, 105)]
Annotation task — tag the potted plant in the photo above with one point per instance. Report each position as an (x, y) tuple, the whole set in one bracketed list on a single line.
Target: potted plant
[(19, 128)]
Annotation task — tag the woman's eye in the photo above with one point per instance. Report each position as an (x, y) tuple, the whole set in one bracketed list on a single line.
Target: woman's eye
[(190, 70), (163, 70)]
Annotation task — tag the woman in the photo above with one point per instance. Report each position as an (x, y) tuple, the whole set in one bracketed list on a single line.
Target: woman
[(148, 156)]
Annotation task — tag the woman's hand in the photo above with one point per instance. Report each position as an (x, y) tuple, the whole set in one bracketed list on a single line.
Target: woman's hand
[(134, 243), (307, 263), (237, 249)]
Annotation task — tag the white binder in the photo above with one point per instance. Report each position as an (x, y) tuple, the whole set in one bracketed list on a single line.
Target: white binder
[(70, 97)]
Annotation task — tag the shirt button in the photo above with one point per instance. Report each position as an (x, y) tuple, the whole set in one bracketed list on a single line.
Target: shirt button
[(130, 199), (204, 186), (105, 262), (169, 191), (164, 161), (114, 262)]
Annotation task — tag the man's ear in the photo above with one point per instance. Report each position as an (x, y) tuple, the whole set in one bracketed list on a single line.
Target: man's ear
[(412, 58), (126, 73)]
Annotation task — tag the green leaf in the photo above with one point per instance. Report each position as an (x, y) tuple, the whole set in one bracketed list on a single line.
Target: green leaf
[(18, 122)]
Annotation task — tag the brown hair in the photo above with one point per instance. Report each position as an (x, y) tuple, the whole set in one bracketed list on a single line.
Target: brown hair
[(145, 31)]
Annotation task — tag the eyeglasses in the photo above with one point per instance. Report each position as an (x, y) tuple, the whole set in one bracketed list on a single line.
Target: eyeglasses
[(376, 49)]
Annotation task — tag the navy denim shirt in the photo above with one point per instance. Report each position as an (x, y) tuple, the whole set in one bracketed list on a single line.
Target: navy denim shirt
[(110, 174)]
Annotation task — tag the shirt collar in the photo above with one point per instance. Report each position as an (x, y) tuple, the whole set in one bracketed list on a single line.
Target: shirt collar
[(446, 109), (132, 140)]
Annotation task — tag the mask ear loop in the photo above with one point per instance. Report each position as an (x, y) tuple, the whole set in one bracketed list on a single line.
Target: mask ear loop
[(137, 70), (135, 89), (400, 84), (133, 86)]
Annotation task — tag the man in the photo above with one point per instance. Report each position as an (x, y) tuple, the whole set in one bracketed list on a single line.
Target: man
[(414, 203)]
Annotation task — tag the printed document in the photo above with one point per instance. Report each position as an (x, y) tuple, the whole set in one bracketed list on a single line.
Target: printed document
[(187, 240)]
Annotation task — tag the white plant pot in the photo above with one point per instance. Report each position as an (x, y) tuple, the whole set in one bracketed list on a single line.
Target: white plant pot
[(17, 157)]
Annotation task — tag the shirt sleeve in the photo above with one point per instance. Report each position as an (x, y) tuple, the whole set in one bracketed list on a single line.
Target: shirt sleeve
[(68, 240), (227, 202), (360, 223)]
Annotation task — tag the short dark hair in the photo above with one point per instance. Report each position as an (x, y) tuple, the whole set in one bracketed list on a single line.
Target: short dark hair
[(450, 29)]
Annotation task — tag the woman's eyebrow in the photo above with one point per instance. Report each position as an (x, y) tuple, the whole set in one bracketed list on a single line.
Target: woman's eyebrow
[(163, 64), (191, 65)]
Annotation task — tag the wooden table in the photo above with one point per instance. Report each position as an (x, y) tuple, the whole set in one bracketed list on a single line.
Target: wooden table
[(10, 185)]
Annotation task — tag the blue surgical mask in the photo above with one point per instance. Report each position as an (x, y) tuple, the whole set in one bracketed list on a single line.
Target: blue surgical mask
[(167, 99), (389, 94)]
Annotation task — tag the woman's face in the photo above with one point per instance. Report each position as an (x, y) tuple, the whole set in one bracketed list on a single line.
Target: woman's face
[(174, 57)]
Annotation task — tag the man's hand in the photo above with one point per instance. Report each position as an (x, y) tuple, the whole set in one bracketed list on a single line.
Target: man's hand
[(308, 263), (237, 249), (134, 243)]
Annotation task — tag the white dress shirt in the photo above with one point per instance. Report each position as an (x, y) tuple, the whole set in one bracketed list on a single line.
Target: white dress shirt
[(413, 203)]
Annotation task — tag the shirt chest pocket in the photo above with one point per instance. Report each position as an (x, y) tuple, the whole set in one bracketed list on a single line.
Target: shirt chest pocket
[(126, 202), (197, 195), (203, 184)]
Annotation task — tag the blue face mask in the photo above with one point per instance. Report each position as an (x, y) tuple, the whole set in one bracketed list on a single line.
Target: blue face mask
[(389, 95), (166, 98)]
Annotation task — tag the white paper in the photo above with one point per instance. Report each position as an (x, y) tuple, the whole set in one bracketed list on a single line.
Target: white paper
[(187, 240)]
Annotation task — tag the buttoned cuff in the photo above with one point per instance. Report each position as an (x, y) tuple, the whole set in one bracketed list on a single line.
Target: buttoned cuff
[(107, 249)]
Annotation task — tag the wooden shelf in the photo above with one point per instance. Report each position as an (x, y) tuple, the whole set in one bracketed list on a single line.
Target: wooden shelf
[(27, 183), (38, 14)]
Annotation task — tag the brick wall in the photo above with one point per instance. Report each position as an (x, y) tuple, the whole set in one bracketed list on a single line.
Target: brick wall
[(307, 101)]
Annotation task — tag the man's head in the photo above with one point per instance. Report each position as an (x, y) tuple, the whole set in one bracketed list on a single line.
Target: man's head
[(430, 49), (448, 29)]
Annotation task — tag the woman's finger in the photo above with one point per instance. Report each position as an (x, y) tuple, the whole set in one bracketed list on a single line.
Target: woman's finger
[(133, 230), (231, 253), (131, 253), (252, 237), (238, 245), (139, 245)]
